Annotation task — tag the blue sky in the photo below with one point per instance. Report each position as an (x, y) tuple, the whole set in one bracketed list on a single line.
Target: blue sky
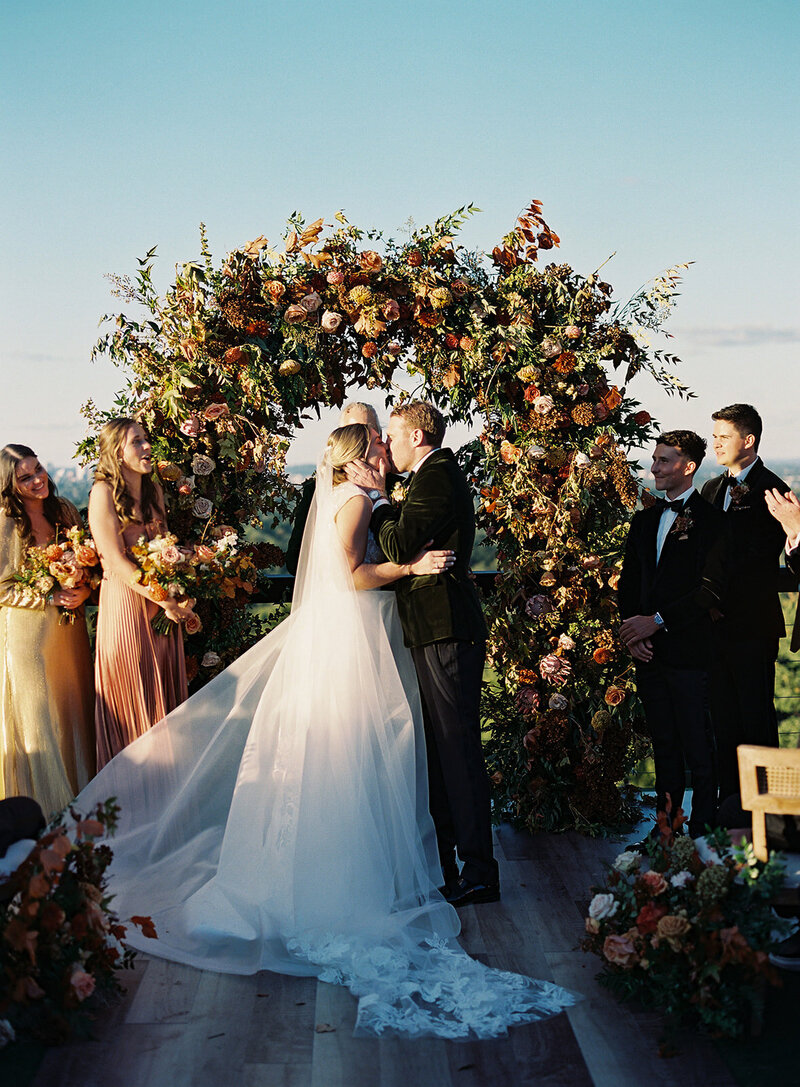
[(661, 132)]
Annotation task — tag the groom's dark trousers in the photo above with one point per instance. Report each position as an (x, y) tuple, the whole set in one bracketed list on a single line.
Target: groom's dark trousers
[(444, 627)]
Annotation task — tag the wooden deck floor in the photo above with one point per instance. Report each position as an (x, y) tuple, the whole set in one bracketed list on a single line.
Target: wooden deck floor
[(180, 1027)]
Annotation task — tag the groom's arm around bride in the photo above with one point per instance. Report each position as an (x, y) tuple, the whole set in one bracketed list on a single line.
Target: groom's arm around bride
[(445, 630)]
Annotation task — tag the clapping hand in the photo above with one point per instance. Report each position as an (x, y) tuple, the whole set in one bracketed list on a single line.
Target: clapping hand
[(785, 508)]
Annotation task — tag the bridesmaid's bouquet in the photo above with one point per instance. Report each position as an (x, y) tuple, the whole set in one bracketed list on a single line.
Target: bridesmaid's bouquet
[(65, 564), (211, 569)]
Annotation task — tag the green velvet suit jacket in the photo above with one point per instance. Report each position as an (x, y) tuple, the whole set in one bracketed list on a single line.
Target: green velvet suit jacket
[(438, 506)]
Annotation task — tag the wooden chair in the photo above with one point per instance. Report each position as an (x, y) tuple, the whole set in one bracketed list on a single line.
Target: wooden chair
[(769, 779)]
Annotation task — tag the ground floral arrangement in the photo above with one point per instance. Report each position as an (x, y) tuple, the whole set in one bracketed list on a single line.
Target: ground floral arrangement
[(60, 941), (689, 928), (227, 365)]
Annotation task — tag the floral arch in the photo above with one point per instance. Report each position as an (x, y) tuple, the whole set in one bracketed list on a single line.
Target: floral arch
[(225, 366)]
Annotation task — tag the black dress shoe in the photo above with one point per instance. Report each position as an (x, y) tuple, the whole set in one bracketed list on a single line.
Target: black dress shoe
[(463, 893)]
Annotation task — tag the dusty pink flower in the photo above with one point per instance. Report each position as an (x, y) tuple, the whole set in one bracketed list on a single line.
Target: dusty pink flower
[(311, 302), (391, 310), (330, 321), (527, 700), (603, 906), (543, 404), (205, 553), (555, 669), (394, 348), (81, 983), (192, 427), (335, 277), (193, 625), (215, 411), (171, 555), (654, 882), (620, 951)]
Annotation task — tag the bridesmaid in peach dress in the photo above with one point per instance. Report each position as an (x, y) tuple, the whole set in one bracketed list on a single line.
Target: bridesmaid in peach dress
[(139, 675), (46, 690)]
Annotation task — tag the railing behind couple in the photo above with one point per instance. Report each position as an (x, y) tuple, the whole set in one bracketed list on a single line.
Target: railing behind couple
[(278, 587)]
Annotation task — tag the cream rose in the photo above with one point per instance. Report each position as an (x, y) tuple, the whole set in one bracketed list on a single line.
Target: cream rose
[(603, 906), (330, 321), (210, 660), (543, 404), (311, 302)]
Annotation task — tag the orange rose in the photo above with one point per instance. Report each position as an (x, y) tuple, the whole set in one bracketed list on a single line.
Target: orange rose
[(614, 696), (275, 289), (370, 261), (451, 341), (466, 343), (602, 656), (85, 555), (654, 883), (54, 552)]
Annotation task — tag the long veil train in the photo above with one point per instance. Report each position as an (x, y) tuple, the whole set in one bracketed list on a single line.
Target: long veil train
[(278, 819)]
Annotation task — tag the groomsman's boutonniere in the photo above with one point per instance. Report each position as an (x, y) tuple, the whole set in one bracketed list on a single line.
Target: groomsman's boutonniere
[(682, 524), (739, 491), (399, 492)]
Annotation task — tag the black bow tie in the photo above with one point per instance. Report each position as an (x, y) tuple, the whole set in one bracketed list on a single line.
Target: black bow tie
[(675, 507), (730, 481)]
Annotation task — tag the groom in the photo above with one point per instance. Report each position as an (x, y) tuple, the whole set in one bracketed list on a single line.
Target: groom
[(444, 627)]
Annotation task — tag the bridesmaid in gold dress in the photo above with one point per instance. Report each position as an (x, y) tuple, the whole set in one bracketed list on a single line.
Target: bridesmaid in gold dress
[(139, 675), (47, 695)]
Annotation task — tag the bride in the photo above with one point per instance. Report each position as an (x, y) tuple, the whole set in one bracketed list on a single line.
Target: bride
[(278, 819)]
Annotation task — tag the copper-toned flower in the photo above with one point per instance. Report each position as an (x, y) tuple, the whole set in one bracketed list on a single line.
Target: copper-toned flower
[(602, 655), (565, 363), (193, 625), (614, 696), (370, 261), (459, 288), (295, 314), (369, 350), (391, 310), (509, 453), (414, 258), (466, 343), (275, 289), (642, 417), (335, 277), (394, 348)]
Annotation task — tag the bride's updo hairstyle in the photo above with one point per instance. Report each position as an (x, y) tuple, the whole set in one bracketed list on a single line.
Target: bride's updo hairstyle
[(345, 444)]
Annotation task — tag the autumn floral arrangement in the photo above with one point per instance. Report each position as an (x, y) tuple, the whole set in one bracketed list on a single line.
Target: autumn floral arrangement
[(226, 366), (65, 564), (688, 929), (60, 941)]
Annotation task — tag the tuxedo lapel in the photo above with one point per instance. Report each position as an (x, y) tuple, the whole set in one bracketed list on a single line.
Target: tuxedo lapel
[(715, 491)]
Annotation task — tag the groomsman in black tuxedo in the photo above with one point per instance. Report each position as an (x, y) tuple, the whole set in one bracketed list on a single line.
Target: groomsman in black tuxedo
[(665, 597), (444, 627), (746, 636)]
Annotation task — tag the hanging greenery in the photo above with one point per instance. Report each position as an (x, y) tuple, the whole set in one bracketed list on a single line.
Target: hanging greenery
[(232, 360)]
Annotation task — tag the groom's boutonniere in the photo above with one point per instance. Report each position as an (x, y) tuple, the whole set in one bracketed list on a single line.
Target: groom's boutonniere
[(739, 491), (682, 524), (399, 492)]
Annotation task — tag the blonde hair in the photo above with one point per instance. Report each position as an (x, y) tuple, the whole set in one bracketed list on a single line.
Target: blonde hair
[(365, 412), (420, 415), (109, 470), (346, 443)]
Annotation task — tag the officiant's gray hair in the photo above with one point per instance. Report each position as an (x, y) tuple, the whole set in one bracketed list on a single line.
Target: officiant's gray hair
[(355, 412), (347, 443)]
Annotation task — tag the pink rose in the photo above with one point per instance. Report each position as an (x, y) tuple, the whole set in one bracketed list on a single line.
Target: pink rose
[(391, 310), (620, 951), (193, 625), (330, 321), (555, 669), (654, 883), (295, 314), (215, 411), (311, 302), (335, 277), (81, 983), (192, 427), (171, 555), (572, 332), (603, 906)]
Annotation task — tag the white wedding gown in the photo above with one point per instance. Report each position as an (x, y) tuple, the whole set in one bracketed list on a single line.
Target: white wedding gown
[(278, 819)]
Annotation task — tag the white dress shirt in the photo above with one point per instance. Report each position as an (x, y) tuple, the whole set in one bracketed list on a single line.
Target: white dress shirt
[(739, 479), (668, 520)]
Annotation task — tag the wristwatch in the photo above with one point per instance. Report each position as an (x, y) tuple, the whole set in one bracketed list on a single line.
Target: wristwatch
[(659, 622), (375, 494)]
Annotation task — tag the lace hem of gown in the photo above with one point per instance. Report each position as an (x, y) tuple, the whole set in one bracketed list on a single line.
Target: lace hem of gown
[(432, 990)]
